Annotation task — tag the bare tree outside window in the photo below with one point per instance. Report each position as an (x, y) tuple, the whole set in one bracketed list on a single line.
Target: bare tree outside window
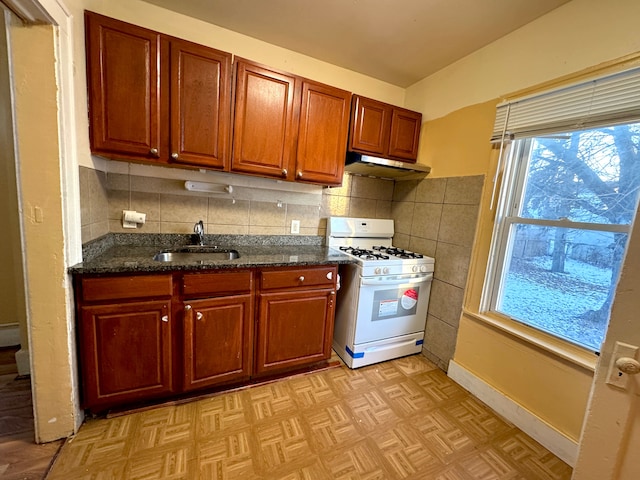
[(568, 230)]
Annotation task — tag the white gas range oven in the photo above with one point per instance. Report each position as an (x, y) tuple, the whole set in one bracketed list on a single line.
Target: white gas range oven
[(381, 307)]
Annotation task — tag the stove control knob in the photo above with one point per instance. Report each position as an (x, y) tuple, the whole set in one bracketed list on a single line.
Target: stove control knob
[(415, 268), (423, 268), (377, 271), (385, 270)]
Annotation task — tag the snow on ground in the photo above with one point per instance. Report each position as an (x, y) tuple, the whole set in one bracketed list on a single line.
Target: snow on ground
[(554, 302)]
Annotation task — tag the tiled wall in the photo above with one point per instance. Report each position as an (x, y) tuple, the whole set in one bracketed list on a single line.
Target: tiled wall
[(94, 203), (437, 217), (169, 208)]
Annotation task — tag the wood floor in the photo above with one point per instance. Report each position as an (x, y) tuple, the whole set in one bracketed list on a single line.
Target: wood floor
[(403, 419), (20, 457)]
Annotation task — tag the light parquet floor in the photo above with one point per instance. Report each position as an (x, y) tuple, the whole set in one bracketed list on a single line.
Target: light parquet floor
[(403, 419)]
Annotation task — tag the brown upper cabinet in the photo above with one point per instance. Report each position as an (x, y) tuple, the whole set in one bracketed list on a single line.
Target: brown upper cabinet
[(265, 119), (384, 130), (288, 127), (156, 98), (322, 133)]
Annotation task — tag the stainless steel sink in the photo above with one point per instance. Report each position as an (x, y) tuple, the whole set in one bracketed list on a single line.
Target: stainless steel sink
[(196, 253)]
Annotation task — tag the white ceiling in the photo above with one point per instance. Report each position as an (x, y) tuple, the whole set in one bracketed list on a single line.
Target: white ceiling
[(397, 41)]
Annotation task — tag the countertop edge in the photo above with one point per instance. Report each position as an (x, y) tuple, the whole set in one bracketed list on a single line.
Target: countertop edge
[(126, 254)]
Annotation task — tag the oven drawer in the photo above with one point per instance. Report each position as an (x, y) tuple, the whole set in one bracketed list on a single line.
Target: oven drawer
[(317, 277)]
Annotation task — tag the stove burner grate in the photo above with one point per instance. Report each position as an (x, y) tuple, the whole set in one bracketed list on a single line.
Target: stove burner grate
[(364, 253), (397, 252)]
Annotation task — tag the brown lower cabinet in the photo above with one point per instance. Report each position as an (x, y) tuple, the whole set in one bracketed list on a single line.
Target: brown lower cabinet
[(146, 337), (295, 318), (126, 336), (217, 329)]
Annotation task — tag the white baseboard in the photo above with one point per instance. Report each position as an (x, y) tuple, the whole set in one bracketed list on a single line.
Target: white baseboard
[(22, 361), (9, 335), (554, 441)]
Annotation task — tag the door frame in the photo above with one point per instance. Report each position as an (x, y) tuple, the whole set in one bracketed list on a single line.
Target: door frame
[(55, 13)]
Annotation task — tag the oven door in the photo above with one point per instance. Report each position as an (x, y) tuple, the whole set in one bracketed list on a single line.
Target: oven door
[(390, 306)]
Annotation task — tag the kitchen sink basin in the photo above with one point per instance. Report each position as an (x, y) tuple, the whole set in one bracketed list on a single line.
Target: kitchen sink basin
[(196, 253)]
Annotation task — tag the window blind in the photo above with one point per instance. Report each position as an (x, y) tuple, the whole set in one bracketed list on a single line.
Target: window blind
[(608, 100)]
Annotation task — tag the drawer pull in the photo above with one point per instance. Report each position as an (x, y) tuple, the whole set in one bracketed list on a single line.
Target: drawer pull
[(199, 315), (165, 318), (301, 278), (329, 275)]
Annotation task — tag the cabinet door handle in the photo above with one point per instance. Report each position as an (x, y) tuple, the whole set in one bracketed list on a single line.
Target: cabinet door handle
[(301, 278), (299, 175), (199, 315), (154, 152), (175, 155), (165, 318), (284, 172), (329, 275), (187, 307)]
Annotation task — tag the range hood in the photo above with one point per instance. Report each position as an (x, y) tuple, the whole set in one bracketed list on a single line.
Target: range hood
[(377, 167)]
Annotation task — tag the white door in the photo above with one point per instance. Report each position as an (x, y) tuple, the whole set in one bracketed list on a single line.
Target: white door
[(610, 444)]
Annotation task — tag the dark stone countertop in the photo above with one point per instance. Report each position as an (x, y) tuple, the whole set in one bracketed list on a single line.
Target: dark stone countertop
[(133, 253)]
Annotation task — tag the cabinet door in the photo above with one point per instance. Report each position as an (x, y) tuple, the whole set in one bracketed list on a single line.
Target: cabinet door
[(264, 133), (124, 88), (322, 134), (370, 124), (405, 134), (125, 352), (200, 105), (218, 341), (294, 329)]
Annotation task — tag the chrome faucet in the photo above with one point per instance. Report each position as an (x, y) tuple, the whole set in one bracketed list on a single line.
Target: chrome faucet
[(198, 229)]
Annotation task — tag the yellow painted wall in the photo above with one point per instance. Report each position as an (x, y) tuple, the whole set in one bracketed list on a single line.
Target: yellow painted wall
[(12, 308), (458, 103), (457, 144), (36, 122)]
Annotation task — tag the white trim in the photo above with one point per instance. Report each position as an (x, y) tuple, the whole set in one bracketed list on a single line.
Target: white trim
[(29, 11), (9, 335), (559, 444), (69, 178), (23, 361)]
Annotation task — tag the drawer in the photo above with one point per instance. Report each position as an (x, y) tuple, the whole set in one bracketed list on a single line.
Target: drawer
[(324, 276), (121, 288), (219, 283)]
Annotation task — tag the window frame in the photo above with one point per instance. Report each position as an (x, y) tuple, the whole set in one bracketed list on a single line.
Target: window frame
[(510, 194)]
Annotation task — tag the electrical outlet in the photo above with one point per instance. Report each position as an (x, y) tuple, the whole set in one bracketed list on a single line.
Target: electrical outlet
[(615, 377), (295, 227)]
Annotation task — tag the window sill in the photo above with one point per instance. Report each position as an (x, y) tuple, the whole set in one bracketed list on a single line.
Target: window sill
[(572, 353)]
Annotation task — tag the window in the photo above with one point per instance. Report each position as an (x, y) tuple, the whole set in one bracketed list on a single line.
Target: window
[(568, 198)]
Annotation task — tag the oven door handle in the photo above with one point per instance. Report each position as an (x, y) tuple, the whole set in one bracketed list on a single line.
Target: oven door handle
[(398, 281), (381, 348)]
